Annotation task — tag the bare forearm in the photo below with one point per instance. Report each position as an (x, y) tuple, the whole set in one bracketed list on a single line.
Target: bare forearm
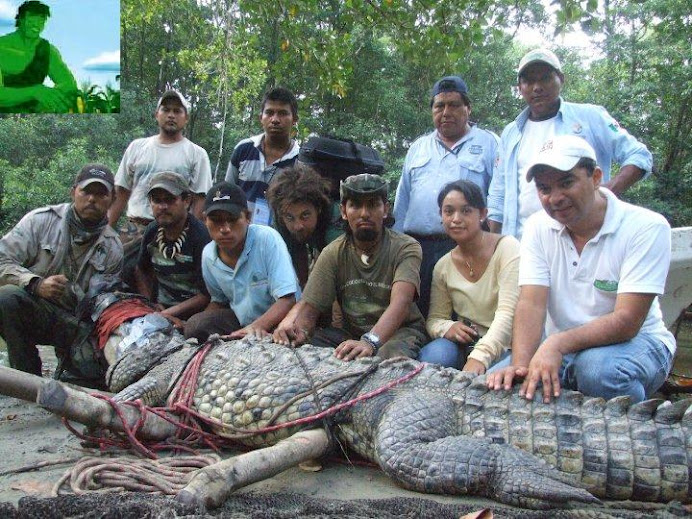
[(626, 178), (122, 196), (305, 316), (529, 322), (189, 307), (276, 312), (391, 320)]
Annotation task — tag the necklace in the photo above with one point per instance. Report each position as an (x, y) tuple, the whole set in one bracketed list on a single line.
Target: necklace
[(472, 273), (364, 254), (169, 249)]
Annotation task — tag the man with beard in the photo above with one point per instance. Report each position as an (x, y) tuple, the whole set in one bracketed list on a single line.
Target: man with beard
[(299, 198), (26, 60), (169, 268), (48, 262), (373, 273), (170, 150), (256, 160)]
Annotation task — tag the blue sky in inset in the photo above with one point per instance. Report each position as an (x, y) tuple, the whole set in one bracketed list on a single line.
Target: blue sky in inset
[(86, 32)]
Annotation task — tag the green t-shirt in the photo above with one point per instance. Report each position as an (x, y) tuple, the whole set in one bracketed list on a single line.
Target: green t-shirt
[(364, 291)]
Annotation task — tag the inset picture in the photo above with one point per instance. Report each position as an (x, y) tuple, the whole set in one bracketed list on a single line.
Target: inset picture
[(60, 56)]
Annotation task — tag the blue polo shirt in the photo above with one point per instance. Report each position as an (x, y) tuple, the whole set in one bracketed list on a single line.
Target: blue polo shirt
[(264, 273)]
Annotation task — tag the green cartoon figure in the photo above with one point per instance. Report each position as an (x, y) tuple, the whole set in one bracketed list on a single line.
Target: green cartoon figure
[(25, 61)]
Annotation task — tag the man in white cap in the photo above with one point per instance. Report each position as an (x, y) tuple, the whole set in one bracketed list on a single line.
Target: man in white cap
[(169, 150), (594, 266), (511, 199), (49, 261)]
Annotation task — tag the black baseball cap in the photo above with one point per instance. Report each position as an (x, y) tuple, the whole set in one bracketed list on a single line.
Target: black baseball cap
[(450, 84), (95, 173), (224, 196)]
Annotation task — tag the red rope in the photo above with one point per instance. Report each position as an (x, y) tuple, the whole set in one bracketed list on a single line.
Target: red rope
[(180, 403)]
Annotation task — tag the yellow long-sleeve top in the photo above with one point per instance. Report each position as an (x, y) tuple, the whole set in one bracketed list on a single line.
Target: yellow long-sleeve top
[(488, 302)]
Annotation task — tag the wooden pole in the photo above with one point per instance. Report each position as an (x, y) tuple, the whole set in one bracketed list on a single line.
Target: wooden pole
[(212, 485), (18, 384)]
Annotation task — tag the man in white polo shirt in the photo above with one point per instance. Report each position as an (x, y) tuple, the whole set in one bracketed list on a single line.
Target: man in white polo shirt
[(594, 266)]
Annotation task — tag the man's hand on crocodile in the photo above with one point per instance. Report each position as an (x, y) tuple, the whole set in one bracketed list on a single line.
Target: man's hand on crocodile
[(251, 330), (290, 335), (503, 378), (349, 350), (544, 368)]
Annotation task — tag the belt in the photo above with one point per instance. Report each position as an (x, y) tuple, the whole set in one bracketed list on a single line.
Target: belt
[(139, 221), (429, 237)]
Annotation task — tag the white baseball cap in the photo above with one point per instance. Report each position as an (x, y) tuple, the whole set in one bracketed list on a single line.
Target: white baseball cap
[(562, 152), (540, 55)]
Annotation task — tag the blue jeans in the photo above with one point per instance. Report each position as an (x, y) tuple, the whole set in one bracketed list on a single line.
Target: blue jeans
[(636, 368), (446, 353)]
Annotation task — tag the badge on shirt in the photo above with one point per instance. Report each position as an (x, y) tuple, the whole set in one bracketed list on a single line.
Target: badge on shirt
[(606, 285), (576, 128), (261, 214), (476, 149)]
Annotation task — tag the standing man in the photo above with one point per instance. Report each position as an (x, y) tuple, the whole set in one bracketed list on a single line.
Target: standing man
[(456, 150), (373, 273), (246, 268), (48, 262), (169, 268), (167, 151), (256, 160), (594, 265), (511, 199)]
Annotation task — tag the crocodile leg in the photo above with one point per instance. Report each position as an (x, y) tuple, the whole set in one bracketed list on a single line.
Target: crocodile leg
[(417, 446)]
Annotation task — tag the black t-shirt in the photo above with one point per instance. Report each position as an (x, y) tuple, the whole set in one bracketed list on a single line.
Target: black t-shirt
[(180, 277)]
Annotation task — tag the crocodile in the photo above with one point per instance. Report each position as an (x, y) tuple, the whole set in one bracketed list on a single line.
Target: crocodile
[(442, 431)]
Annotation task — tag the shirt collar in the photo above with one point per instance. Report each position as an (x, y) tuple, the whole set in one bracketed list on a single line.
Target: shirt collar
[(523, 117), (467, 136)]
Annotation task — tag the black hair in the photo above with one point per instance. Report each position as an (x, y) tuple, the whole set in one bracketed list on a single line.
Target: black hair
[(282, 95), (588, 164), (33, 7), (472, 193)]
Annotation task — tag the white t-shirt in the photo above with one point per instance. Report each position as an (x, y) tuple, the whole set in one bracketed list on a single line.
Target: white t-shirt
[(535, 134), (630, 254), (144, 157)]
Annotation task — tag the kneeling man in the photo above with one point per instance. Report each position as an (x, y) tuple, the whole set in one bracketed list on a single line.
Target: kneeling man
[(373, 273), (594, 265)]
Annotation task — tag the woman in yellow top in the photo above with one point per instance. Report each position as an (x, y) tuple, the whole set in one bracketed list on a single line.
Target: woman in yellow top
[(474, 288)]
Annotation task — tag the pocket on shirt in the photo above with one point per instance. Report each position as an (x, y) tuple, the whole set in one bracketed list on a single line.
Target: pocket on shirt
[(419, 166), (258, 281), (474, 171)]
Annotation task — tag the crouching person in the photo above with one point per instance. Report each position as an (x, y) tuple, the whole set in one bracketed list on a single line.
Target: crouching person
[(247, 270), (48, 261), (593, 265), (373, 272)]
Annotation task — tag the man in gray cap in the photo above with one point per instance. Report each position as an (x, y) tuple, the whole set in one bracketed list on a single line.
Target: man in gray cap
[(169, 268), (512, 199), (373, 272), (591, 269), (456, 150), (48, 263)]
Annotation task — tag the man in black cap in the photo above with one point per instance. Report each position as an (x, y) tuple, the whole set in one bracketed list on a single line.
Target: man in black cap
[(456, 150), (247, 270), (48, 263), (373, 272), (169, 268)]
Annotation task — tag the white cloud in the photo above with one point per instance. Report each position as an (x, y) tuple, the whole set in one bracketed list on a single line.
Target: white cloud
[(7, 13), (104, 61)]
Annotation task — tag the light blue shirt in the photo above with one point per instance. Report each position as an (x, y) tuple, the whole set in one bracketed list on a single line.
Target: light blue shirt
[(429, 166), (591, 122), (264, 273)]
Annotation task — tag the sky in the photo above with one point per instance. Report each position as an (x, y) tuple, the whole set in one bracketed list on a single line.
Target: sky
[(86, 32)]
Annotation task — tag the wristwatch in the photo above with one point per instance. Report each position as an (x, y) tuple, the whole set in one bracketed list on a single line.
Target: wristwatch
[(373, 340)]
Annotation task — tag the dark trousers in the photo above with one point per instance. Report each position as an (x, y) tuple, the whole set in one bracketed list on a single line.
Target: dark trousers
[(27, 320), (200, 326), (433, 249)]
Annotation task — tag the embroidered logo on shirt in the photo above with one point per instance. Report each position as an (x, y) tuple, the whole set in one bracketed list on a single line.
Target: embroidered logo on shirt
[(606, 285), (614, 126), (576, 128), (476, 149)]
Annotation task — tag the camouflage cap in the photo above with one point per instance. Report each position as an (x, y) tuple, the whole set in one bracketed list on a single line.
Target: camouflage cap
[(365, 184), (169, 181)]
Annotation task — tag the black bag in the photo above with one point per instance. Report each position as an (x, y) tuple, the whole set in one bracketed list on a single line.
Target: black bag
[(337, 159)]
